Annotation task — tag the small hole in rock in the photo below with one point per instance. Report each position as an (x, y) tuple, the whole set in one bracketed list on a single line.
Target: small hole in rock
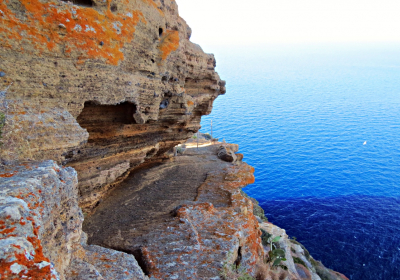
[(164, 104), (160, 31), (82, 3), (114, 8)]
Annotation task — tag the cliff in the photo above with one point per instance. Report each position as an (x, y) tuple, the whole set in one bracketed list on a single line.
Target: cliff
[(93, 96), (99, 86)]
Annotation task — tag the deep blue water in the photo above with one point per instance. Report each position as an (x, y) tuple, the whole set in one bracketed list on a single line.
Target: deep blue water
[(301, 116)]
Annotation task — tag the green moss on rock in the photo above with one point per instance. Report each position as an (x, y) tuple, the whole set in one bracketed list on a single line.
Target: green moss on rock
[(299, 261), (257, 210)]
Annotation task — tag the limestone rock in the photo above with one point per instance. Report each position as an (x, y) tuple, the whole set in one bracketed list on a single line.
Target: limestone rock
[(183, 219), (227, 153), (41, 229), (101, 86), (95, 262), (90, 91), (41, 220), (299, 262)]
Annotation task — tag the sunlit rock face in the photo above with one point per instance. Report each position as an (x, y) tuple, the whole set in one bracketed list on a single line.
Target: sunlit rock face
[(91, 92), (41, 229), (101, 86), (184, 218)]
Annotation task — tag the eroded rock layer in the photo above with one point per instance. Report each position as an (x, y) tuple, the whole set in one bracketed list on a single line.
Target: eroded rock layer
[(41, 229), (184, 218), (91, 91), (101, 86), (160, 224)]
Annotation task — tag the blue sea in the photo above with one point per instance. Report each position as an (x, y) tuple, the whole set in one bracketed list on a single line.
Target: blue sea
[(321, 126)]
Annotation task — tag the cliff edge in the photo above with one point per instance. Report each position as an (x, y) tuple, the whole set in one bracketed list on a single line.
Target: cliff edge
[(93, 97), (101, 86)]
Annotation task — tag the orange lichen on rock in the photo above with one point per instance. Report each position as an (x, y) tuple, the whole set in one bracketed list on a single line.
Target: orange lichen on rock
[(169, 43), (6, 231), (37, 266), (7, 175), (66, 29), (33, 271)]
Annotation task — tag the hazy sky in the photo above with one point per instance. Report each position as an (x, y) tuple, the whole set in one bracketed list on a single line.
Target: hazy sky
[(251, 22)]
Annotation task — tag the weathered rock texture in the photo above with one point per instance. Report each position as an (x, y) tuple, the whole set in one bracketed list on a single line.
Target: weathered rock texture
[(91, 91), (189, 225), (300, 263), (41, 229), (160, 222), (100, 85), (227, 153)]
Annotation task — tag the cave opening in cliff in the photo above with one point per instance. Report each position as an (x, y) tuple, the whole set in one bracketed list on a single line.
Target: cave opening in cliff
[(95, 112), (104, 121)]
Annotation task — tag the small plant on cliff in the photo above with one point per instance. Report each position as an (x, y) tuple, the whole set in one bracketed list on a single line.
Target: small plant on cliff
[(265, 237), (234, 271), (275, 255), (194, 136), (207, 136)]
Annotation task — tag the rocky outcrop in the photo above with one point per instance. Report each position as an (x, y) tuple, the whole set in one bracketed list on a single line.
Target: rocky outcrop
[(93, 95), (193, 221), (41, 229), (300, 264), (40, 220), (161, 223), (101, 86), (227, 153)]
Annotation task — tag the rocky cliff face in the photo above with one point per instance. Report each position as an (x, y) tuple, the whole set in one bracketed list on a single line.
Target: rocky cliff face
[(93, 95), (41, 229), (100, 86), (159, 224)]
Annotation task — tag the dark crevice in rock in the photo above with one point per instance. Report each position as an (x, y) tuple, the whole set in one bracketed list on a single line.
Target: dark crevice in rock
[(82, 3), (105, 125), (164, 104), (94, 115), (140, 258), (137, 252), (114, 8), (239, 257)]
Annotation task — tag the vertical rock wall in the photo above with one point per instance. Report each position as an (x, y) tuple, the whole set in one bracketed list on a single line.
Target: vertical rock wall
[(101, 86), (41, 229)]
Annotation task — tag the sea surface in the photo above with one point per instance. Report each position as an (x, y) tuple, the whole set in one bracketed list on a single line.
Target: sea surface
[(321, 126)]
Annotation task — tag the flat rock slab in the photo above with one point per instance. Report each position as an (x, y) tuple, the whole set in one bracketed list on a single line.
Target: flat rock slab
[(147, 197), (182, 219)]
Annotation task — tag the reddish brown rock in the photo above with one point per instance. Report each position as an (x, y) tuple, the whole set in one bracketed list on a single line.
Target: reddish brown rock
[(227, 152), (101, 88), (211, 223), (41, 229), (107, 88)]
